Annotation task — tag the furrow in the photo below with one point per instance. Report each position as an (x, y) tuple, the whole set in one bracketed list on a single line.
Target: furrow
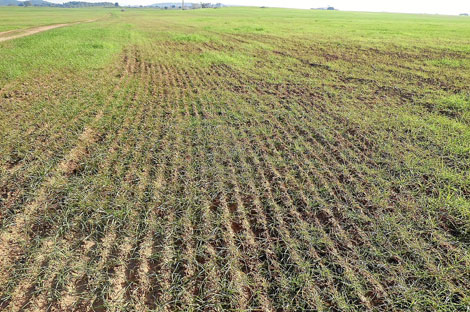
[(57, 175)]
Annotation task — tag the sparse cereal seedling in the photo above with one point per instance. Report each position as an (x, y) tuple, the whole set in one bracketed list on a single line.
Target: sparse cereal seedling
[(238, 159)]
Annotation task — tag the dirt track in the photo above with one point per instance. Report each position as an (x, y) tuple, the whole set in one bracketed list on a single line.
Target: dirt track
[(13, 34), (32, 31)]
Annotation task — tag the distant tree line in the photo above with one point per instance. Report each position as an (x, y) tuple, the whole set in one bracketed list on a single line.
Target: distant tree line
[(71, 4), (174, 5), (82, 4)]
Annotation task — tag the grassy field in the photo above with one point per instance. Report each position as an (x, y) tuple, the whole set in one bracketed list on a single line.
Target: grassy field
[(237, 159)]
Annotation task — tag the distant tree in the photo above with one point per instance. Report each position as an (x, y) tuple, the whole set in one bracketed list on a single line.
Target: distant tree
[(205, 5), (173, 6), (116, 5), (27, 3)]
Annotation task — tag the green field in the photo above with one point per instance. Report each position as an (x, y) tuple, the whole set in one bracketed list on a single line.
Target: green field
[(235, 159)]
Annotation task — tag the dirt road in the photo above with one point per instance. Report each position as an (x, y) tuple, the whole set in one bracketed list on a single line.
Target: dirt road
[(13, 34)]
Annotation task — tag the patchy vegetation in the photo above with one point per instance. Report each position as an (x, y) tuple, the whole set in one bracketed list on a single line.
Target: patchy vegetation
[(236, 159)]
